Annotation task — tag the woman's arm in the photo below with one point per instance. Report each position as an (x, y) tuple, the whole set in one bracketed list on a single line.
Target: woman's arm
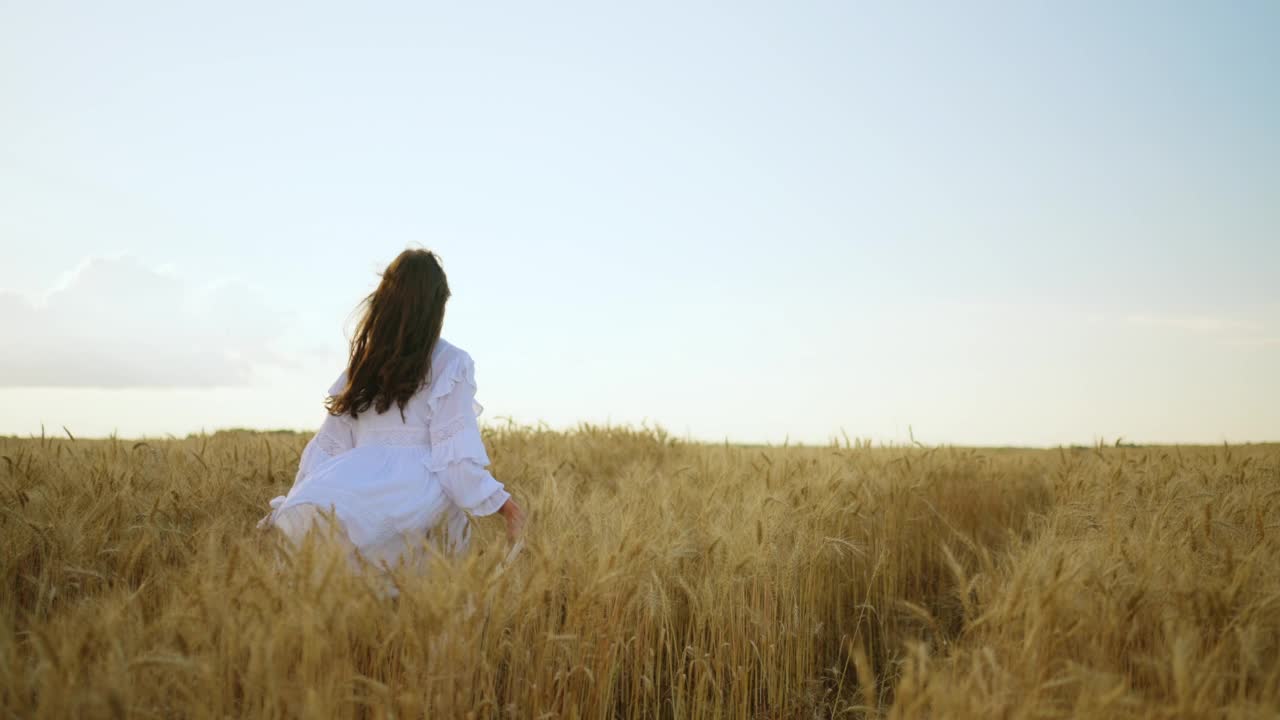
[(334, 437), (514, 518), (458, 455)]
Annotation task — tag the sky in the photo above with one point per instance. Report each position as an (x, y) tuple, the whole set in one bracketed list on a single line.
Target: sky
[(967, 223)]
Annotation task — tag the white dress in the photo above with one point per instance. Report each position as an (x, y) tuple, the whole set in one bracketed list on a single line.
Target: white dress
[(390, 481)]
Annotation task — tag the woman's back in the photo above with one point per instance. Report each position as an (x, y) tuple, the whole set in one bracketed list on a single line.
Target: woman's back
[(388, 477), (399, 453), (412, 427)]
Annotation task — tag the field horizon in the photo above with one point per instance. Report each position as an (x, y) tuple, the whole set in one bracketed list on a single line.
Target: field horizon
[(835, 441), (659, 578)]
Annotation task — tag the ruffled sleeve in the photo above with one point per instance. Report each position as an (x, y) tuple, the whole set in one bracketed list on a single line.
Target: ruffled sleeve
[(458, 457)]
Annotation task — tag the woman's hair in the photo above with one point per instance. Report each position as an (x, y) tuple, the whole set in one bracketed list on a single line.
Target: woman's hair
[(398, 330)]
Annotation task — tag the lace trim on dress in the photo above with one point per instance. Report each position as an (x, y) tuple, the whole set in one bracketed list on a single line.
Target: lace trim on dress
[(448, 431), (465, 444), (331, 445), (332, 439), (408, 436)]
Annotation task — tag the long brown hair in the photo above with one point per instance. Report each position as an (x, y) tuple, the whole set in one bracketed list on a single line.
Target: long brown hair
[(398, 330)]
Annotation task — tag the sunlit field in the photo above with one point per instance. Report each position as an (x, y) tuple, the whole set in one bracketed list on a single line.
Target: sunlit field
[(658, 579)]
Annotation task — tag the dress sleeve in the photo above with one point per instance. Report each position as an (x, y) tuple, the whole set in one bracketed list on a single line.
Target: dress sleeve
[(458, 456), (334, 437)]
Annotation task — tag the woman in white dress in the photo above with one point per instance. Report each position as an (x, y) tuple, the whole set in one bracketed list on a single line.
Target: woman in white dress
[(399, 456)]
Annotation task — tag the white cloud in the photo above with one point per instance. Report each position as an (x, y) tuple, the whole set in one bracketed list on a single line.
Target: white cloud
[(114, 322)]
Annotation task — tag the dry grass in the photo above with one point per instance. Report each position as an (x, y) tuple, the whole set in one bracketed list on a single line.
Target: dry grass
[(660, 579)]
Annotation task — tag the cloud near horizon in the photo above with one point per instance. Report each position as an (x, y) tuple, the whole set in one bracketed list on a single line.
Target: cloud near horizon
[(114, 322)]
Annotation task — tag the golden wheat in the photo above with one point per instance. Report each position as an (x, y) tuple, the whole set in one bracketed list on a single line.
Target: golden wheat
[(660, 579)]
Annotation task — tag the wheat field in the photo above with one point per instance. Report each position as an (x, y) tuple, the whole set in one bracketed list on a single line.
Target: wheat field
[(659, 578)]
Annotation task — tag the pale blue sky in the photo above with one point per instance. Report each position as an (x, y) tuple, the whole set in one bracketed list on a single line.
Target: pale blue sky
[(996, 224)]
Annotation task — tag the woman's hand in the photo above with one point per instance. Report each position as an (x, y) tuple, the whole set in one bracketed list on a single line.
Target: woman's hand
[(514, 516)]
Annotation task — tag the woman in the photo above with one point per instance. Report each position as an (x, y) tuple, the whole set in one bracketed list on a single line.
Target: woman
[(399, 456)]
